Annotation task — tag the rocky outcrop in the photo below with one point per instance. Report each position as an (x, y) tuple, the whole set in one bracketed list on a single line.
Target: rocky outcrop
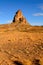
[(19, 18)]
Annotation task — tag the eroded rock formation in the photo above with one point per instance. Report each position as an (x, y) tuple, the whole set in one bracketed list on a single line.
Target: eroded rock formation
[(19, 18)]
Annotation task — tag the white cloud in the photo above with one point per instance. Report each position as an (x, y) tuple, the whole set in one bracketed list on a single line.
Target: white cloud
[(38, 14), (40, 6), (9, 21)]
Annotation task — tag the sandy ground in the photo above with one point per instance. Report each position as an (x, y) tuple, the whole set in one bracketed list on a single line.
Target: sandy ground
[(21, 47)]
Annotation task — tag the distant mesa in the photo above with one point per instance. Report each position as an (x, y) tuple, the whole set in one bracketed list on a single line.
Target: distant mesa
[(19, 18)]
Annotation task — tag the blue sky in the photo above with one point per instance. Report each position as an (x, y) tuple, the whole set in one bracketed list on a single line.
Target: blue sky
[(31, 9)]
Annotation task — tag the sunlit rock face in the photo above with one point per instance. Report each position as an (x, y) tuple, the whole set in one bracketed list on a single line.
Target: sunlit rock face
[(19, 18)]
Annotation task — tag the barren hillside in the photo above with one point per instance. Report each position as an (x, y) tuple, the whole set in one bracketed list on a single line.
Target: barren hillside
[(21, 43)]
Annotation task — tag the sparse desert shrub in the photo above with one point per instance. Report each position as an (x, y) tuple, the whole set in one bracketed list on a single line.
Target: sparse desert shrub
[(36, 62), (17, 62)]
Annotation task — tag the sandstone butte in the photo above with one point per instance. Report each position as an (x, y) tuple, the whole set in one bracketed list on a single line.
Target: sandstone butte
[(20, 42)]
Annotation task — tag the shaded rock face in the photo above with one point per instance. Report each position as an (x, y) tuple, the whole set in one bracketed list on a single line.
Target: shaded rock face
[(19, 17)]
